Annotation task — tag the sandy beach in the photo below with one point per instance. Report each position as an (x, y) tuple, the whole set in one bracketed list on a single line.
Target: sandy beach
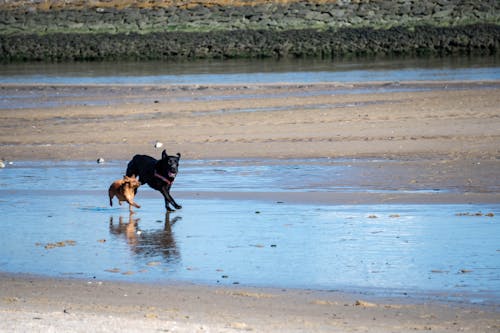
[(39, 304), (421, 135)]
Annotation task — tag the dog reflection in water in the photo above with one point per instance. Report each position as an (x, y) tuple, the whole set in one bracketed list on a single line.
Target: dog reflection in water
[(124, 189), (148, 243), (128, 229)]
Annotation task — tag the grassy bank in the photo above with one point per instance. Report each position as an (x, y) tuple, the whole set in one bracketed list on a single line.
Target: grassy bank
[(474, 39)]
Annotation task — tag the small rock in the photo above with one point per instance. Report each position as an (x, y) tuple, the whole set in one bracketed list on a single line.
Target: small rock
[(2, 165), (239, 326), (365, 304), (438, 271), (153, 263), (158, 144), (100, 160)]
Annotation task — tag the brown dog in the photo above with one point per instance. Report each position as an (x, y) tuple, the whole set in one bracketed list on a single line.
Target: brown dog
[(124, 189)]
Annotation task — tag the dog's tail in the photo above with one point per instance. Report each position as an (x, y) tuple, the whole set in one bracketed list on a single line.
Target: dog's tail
[(110, 197)]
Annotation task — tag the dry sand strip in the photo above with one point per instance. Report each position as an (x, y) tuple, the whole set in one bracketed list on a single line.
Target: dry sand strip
[(37, 304)]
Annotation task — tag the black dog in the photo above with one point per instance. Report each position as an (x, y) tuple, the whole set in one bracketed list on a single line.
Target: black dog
[(158, 174)]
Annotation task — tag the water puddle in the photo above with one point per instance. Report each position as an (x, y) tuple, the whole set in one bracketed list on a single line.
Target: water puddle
[(296, 107), (56, 221)]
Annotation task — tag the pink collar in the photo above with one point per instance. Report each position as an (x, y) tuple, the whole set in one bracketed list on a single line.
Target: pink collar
[(169, 182)]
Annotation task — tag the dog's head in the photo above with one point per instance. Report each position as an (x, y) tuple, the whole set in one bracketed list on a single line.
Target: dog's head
[(168, 166), (131, 182)]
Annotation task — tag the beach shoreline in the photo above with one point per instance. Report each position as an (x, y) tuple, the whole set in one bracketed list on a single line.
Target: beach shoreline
[(77, 305), (405, 141)]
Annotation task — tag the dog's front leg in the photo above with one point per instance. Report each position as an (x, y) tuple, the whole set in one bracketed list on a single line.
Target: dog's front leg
[(165, 190), (166, 196), (130, 200)]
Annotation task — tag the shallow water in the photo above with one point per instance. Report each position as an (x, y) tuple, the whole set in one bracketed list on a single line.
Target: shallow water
[(255, 71), (446, 250)]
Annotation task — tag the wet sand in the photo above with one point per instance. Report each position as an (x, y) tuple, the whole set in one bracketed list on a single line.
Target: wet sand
[(448, 119), (36, 304), (424, 135)]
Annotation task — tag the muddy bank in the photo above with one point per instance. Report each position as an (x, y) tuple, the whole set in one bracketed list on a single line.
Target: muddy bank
[(43, 17), (419, 40)]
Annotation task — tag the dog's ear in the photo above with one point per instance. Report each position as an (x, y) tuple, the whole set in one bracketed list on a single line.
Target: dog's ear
[(179, 155), (164, 154)]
